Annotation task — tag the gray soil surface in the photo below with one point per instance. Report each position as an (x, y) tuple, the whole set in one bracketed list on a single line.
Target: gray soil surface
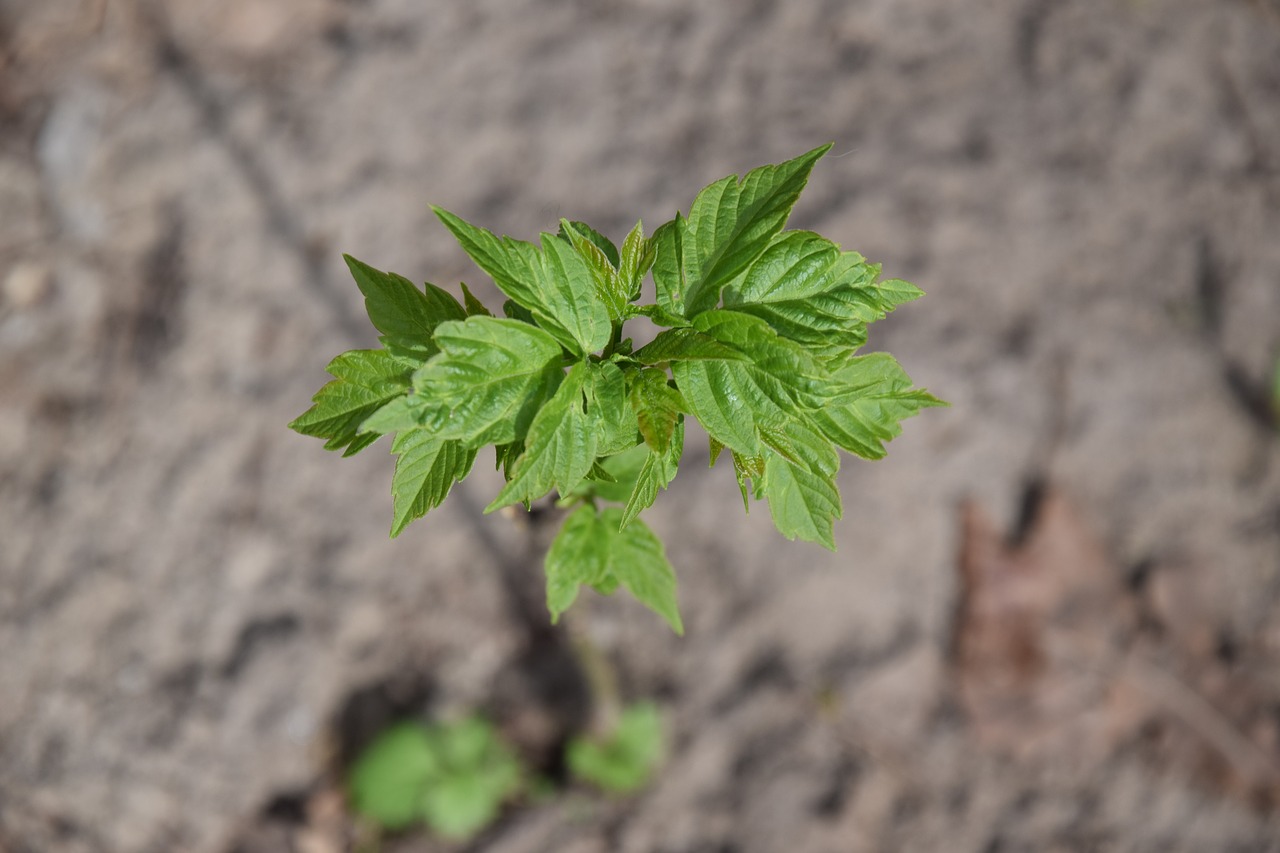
[(200, 610)]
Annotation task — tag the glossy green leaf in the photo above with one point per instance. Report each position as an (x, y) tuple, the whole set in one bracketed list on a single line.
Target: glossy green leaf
[(473, 306), (732, 222), (636, 259), (734, 400), (615, 420), (364, 381), (668, 264), (426, 469), (489, 380), (686, 344), (553, 285), (581, 229)]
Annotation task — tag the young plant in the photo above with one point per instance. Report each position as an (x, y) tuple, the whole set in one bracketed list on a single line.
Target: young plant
[(453, 777), (623, 761), (760, 327)]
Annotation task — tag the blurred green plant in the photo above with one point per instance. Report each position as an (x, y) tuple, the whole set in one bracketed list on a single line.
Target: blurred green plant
[(623, 761), (454, 777)]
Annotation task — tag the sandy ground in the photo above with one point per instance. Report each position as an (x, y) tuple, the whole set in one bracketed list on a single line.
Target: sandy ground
[(199, 608)]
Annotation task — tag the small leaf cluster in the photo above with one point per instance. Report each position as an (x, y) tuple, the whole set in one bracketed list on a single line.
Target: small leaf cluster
[(625, 760), (760, 328), (454, 777)]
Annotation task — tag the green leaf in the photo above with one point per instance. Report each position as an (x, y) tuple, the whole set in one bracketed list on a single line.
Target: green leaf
[(554, 284), (607, 403), (811, 292), (489, 380), (626, 760), (877, 397), (637, 258), (391, 775), (748, 470), (568, 230), (734, 399), (473, 306), (364, 381), (405, 315), (686, 345), (604, 276), (657, 407), (426, 469), (731, 222), (638, 561), (668, 264), (590, 549), (659, 315), (408, 411), (560, 448), (799, 482), (657, 472)]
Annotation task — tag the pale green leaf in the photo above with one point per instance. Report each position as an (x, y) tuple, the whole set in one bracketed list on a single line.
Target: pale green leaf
[(625, 760), (364, 381), (637, 561), (578, 555), (799, 482), (604, 276), (489, 380), (426, 469), (876, 397), (636, 259), (601, 242)]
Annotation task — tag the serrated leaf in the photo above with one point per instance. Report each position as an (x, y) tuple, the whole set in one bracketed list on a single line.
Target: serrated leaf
[(364, 381), (474, 307), (657, 407), (405, 315), (560, 448), (426, 469), (592, 549), (553, 284), (732, 222), (877, 397), (579, 555), (609, 408), (568, 287), (604, 244), (668, 264), (734, 400), (638, 561), (408, 411), (604, 276), (636, 259), (799, 482), (747, 470), (686, 344), (659, 315), (489, 380), (657, 472)]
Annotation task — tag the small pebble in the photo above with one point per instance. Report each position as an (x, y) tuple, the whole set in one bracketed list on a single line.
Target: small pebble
[(27, 284)]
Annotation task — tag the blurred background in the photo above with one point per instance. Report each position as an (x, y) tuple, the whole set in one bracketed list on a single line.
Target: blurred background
[(1052, 620)]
